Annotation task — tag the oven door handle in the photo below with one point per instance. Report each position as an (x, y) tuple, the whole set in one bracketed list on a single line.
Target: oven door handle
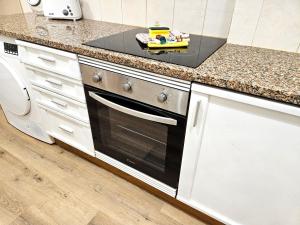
[(132, 112)]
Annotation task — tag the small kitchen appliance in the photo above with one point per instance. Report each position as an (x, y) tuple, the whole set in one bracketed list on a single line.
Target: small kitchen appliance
[(36, 6), (138, 120), (62, 9)]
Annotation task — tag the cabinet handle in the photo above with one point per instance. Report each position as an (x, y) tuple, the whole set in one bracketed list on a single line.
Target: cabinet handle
[(47, 58), (53, 81), (60, 103), (66, 129), (197, 113)]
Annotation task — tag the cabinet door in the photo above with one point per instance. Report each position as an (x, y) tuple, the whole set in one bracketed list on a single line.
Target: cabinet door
[(244, 167), (192, 145)]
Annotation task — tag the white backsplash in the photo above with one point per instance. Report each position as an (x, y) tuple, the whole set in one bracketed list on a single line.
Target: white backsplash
[(10, 7), (134, 12), (271, 24)]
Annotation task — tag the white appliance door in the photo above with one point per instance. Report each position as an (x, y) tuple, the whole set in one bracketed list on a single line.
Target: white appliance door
[(13, 93)]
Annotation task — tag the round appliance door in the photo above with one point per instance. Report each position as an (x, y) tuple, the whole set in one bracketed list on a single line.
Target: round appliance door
[(34, 2), (13, 92)]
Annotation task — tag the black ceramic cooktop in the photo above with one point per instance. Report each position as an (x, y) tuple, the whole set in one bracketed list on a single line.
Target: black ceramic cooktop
[(199, 49)]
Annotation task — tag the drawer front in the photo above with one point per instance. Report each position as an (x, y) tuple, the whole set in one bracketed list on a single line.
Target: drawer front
[(53, 60), (69, 130), (54, 82), (61, 104)]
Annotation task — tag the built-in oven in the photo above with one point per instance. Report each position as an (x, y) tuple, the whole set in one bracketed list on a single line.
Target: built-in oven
[(138, 121)]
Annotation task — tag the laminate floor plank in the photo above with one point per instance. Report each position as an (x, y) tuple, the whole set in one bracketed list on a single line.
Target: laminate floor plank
[(43, 184), (102, 219), (33, 216), (179, 215), (10, 205)]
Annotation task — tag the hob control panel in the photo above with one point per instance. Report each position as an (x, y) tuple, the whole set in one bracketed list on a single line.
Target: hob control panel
[(11, 49)]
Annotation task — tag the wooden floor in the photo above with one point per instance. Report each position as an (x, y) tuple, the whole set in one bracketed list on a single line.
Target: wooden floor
[(44, 184)]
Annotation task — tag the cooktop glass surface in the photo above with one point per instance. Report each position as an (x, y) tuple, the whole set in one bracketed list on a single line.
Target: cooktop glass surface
[(199, 49)]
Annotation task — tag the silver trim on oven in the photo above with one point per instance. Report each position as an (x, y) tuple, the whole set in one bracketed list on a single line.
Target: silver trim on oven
[(132, 112)]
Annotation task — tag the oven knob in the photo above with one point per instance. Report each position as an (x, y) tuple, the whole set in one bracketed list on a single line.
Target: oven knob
[(162, 97), (97, 78), (65, 12), (127, 86)]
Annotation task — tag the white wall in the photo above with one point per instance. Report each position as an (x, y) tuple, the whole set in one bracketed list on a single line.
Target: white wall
[(183, 15), (209, 17), (10, 7), (271, 24)]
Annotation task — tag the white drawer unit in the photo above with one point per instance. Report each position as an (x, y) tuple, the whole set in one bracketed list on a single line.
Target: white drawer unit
[(69, 130), (54, 60), (59, 84), (61, 104), (55, 78)]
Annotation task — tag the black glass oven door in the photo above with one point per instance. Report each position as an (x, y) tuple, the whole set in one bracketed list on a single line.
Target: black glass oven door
[(141, 136)]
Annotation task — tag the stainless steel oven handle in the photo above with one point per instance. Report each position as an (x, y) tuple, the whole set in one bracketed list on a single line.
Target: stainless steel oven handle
[(132, 112)]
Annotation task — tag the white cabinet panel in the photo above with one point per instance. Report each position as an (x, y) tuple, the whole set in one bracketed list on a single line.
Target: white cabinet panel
[(56, 83), (50, 59), (61, 104), (57, 86), (241, 163), (69, 130), (194, 131)]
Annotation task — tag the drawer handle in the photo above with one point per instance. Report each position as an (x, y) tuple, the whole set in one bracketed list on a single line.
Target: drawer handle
[(66, 129), (196, 113), (53, 81), (60, 103), (47, 58)]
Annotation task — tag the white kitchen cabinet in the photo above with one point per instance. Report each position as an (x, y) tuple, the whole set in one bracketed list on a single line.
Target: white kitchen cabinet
[(241, 160), (56, 82)]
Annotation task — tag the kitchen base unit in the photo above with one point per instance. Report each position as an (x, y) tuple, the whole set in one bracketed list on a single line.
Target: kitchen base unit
[(16, 94), (55, 79), (241, 160)]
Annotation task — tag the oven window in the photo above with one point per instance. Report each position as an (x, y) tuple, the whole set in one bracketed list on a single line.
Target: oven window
[(140, 141)]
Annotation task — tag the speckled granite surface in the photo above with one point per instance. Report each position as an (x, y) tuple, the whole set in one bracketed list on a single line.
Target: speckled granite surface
[(261, 72)]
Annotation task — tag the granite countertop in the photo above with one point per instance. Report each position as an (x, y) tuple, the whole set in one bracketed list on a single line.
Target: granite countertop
[(261, 72)]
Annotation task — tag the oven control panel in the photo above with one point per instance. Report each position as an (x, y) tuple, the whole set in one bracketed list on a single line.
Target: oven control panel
[(154, 90), (11, 49)]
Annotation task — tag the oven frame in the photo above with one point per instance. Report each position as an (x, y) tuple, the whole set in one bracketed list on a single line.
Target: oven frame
[(176, 125), (111, 74)]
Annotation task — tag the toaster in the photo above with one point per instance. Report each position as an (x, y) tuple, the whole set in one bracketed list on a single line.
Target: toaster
[(62, 9)]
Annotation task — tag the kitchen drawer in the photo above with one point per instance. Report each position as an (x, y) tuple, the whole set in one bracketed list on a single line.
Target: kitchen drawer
[(68, 130), (61, 104), (65, 86), (50, 59)]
